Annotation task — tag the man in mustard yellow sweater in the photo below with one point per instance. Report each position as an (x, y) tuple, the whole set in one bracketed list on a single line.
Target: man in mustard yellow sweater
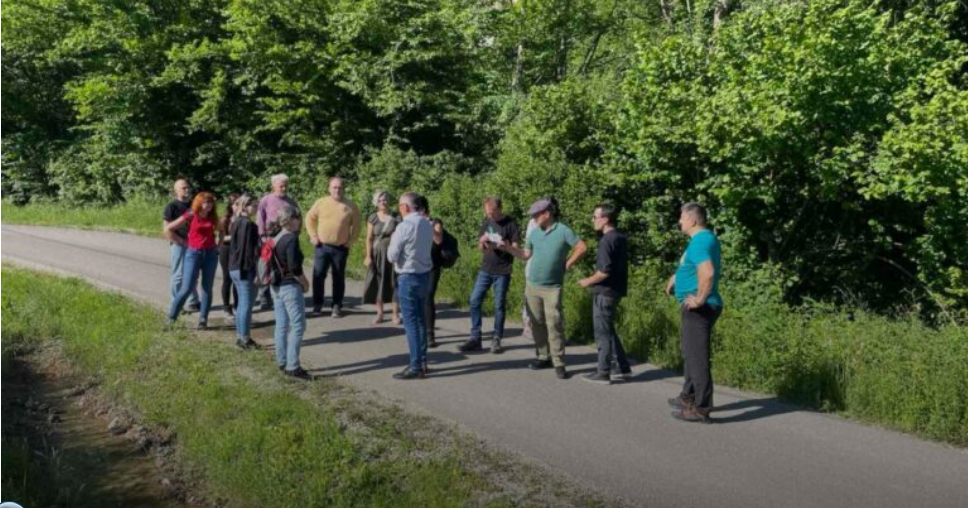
[(333, 224)]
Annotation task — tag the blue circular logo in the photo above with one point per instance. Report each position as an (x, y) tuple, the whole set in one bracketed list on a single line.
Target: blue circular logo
[(10, 504)]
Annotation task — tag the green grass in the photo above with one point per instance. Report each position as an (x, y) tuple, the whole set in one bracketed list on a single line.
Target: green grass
[(253, 437), (139, 216)]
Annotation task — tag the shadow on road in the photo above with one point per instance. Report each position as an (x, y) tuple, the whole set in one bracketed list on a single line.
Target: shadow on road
[(757, 409)]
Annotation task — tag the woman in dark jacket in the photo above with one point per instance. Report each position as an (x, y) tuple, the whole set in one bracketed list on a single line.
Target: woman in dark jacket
[(224, 239), (243, 258), (287, 293)]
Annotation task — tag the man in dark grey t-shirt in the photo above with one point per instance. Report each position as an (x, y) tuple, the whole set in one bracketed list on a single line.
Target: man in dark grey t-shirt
[(610, 284), (178, 239), (496, 266)]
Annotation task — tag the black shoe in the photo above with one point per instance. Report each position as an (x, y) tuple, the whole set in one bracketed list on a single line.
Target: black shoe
[(194, 307), (247, 344), (432, 342), (202, 325), (409, 373), (679, 402), (597, 378), (298, 373), (338, 311), (282, 368), (470, 345), (540, 364), (561, 373), (496, 347)]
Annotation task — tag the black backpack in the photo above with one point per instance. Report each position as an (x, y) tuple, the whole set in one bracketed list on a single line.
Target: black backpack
[(448, 252)]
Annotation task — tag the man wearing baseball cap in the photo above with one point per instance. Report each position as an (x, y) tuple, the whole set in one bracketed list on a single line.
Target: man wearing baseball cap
[(553, 248)]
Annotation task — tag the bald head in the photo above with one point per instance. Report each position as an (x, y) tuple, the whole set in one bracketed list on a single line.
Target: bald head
[(336, 189), (182, 190)]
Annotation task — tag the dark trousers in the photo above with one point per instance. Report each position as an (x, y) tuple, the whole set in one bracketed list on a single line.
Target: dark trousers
[(696, 329), (328, 257), (430, 309), (265, 293), (610, 347), (228, 289)]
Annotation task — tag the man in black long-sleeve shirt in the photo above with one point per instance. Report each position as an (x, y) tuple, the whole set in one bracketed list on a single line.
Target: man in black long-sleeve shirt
[(610, 284)]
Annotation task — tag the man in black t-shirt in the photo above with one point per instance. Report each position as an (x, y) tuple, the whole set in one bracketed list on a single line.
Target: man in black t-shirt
[(610, 284), (496, 266), (179, 238)]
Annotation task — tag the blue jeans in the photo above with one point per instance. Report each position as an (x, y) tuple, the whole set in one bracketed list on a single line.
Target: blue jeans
[(245, 286), (197, 262), (484, 282), (177, 259), (412, 292), (290, 309)]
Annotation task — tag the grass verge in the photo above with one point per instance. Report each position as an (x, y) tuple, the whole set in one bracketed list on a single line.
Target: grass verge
[(249, 436), (139, 216)]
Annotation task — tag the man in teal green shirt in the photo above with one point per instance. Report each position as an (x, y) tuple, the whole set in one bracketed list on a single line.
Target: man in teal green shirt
[(696, 286), (548, 248)]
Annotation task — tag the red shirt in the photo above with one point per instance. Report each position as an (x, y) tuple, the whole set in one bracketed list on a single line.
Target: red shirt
[(201, 232)]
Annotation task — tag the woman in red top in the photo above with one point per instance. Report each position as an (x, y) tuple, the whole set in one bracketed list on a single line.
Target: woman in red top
[(201, 258)]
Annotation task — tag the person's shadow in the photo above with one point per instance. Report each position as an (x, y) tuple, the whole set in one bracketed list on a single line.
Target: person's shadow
[(353, 335), (757, 408)]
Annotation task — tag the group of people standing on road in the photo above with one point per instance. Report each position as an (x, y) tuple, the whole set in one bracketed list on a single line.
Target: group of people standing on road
[(257, 242)]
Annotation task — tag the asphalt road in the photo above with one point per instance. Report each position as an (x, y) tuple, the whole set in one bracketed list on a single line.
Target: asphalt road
[(619, 439)]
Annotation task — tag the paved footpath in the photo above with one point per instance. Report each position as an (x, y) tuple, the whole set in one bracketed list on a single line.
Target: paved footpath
[(617, 439)]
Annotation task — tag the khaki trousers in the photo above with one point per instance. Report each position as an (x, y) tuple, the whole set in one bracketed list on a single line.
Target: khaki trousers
[(543, 305)]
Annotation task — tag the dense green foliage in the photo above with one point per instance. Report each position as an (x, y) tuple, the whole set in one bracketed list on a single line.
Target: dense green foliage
[(829, 138), (250, 437)]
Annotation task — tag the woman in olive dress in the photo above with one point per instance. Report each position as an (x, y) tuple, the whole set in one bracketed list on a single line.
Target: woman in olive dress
[(381, 282)]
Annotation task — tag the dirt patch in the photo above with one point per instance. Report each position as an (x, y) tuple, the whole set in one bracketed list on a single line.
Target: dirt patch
[(78, 450)]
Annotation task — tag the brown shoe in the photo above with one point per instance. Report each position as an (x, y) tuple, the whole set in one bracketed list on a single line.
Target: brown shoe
[(680, 403), (692, 414)]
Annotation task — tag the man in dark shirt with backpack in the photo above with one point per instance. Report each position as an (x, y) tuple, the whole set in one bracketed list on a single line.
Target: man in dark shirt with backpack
[(610, 284)]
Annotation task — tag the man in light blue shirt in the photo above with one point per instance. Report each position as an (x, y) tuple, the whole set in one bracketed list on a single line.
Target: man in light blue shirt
[(410, 253), (696, 287)]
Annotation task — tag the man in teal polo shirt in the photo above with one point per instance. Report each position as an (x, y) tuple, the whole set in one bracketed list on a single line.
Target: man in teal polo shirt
[(696, 286), (548, 248)]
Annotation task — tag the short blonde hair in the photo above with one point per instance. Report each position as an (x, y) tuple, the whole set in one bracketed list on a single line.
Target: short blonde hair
[(379, 194)]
